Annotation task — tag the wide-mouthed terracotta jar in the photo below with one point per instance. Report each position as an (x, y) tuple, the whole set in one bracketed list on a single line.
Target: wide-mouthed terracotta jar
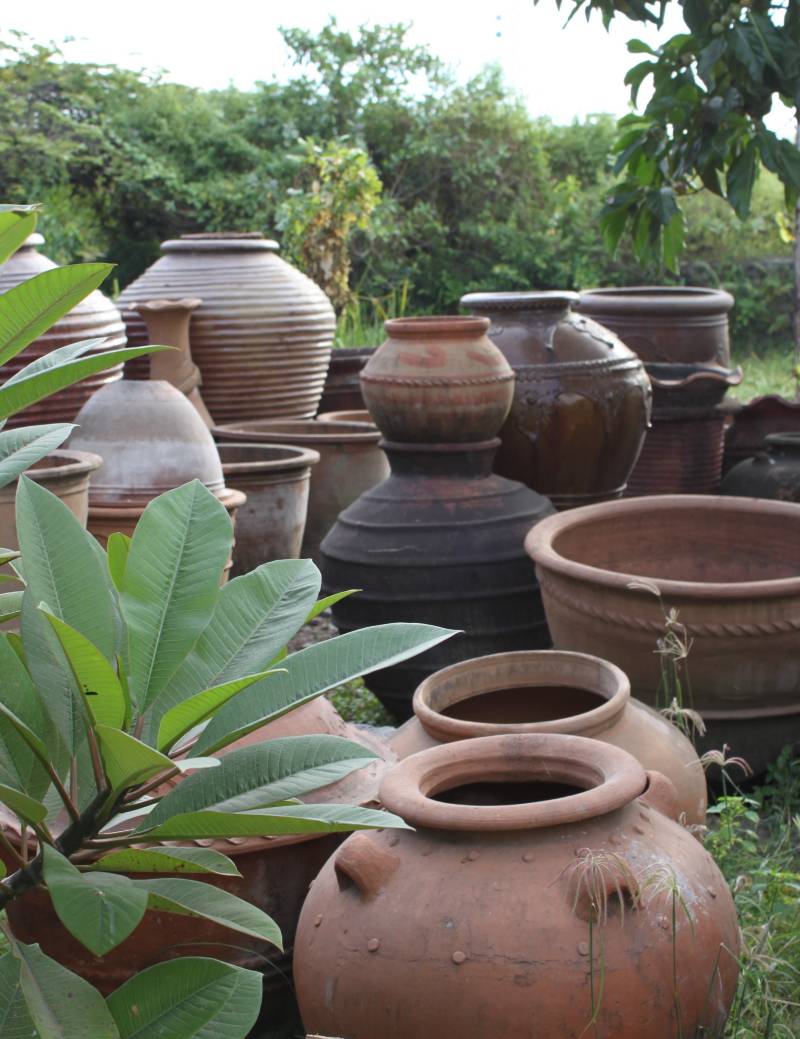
[(545, 890), (549, 691), (437, 380)]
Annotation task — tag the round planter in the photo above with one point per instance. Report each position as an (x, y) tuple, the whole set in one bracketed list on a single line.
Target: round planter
[(350, 462), (342, 386), (729, 566), (275, 478), (773, 473), (437, 380), (545, 692), (438, 542), (581, 399), (262, 336), (95, 317), (750, 424), (535, 896)]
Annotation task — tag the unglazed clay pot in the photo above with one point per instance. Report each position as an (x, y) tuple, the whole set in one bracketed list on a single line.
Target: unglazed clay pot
[(750, 424), (346, 416), (552, 691), (540, 893), (680, 456), (275, 478), (350, 462), (262, 337), (730, 567), (437, 380), (342, 386), (94, 317), (773, 473), (581, 400)]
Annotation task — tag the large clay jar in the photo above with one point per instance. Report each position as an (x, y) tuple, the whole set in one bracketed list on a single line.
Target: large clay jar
[(773, 473), (610, 573), (275, 478), (545, 890), (552, 691), (262, 336), (350, 462), (95, 317), (581, 401), (749, 425), (342, 390), (437, 380), (438, 542)]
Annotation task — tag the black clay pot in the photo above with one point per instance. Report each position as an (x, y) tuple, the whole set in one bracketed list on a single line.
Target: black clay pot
[(772, 473)]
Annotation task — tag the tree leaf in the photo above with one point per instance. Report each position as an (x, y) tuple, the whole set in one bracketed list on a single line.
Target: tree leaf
[(128, 761), (15, 1021), (330, 600), (99, 909), (25, 807), (314, 670), (14, 229), (20, 767), (117, 550), (171, 584), (740, 178), (166, 860), (10, 605), (54, 358), (189, 998), (22, 448)]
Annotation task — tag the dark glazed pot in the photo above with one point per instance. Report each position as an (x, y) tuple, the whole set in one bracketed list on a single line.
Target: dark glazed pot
[(262, 336), (95, 317), (438, 542), (342, 390), (539, 868), (750, 424), (773, 473), (581, 401), (729, 566)]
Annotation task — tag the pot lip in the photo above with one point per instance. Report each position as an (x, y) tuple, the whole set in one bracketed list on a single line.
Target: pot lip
[(293, 458), (333, 416), (547, 299), (460, 447), (655, 300), (788, 439), (454, 326), (220, 241), (670, 376), (611, 776), (80, 462), (325, 432), (166, 304), (133, 507), (537, 667), (351, 353), (539, 546)]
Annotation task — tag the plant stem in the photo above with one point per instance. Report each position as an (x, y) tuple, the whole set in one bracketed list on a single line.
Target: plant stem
[(97, 764), (12, 851), (141, 791)]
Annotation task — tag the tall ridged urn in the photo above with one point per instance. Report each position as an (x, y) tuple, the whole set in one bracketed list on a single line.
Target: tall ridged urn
[(440, 541), (263, 333), (95, 317)]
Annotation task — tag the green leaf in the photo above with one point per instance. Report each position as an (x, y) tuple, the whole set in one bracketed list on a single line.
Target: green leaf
[(25, 807), (185, 715), (14, 229), (194, 898), (171, 586), (166, 860), (22, 448), (117, 550), (330, 600), (10, 605), (30, 737), (61, 1005), (15, 1021), (29, 309), (262, 774), (639, 47), (20, 767), (314, 670), (128, 761), (740, 178), (55, 358), (99, 909), (189, 998)]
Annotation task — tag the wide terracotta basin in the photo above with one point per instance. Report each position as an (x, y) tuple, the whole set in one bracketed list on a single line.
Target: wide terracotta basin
[(730, 567)]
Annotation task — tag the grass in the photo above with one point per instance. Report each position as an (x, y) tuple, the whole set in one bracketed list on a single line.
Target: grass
[(771, 372)]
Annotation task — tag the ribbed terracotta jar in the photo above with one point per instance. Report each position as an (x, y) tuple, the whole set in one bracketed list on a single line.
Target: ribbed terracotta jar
[(262, 336), (772, 473), (342, 390), (552, 691), (539, 894), (437, 380), (94, 317), (731, 569), (581, 401)]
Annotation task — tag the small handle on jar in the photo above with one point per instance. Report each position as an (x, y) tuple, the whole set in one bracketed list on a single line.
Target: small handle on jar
[(662, 795), (361, 863)]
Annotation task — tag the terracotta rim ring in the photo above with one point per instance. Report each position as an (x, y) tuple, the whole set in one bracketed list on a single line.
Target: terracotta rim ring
[(551, 299), (297, 432), (443, 325), (612, 778), (656, 300)]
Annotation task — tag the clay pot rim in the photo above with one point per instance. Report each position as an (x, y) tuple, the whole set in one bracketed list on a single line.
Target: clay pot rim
[(612, 778), (655, 300), (334, 432), (332, 416), (221, 241), (788, 439), (537, 667), (547, 299), (293, 458), (454, 326), (669, 376), (461, 447), (132, 507), (351, 353), (33, 241), (80, 462), (540, 539), (164, 304)]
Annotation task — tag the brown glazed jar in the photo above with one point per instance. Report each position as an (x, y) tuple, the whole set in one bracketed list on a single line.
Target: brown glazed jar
[(95, 317), (437, 380), (581, 401), (262, 336), (552, 691), (545, 890)]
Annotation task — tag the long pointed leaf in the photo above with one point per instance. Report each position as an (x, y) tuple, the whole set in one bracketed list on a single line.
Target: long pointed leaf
[(10, 605), (166, 860), (22, 448), (185, 715), (20, 767), (15, 1021), (25, 807), (117, 554), (274, 822), (55, 358), (128, 761), (14, 229)]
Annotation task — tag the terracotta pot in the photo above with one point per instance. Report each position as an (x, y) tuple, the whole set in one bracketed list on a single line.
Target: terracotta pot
[(438, 542), (262, 337), (350, 462), (552, 691), (94, 317), (484, 911), (680, 456), (729, 566), (346, 416), (680, 324), (581, 401), (275, 478), (342, 386), (750, 424), (437, 380), (167, 323), (773, 473), (689, 390)]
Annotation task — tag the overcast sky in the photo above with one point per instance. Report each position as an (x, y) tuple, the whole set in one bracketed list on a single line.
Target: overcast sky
[(560, 72)]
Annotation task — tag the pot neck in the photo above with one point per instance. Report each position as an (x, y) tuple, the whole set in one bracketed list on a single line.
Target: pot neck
[(783, 444), (470, 461)]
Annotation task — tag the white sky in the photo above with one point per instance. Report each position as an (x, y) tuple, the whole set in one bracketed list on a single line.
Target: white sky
[(560, 72)]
